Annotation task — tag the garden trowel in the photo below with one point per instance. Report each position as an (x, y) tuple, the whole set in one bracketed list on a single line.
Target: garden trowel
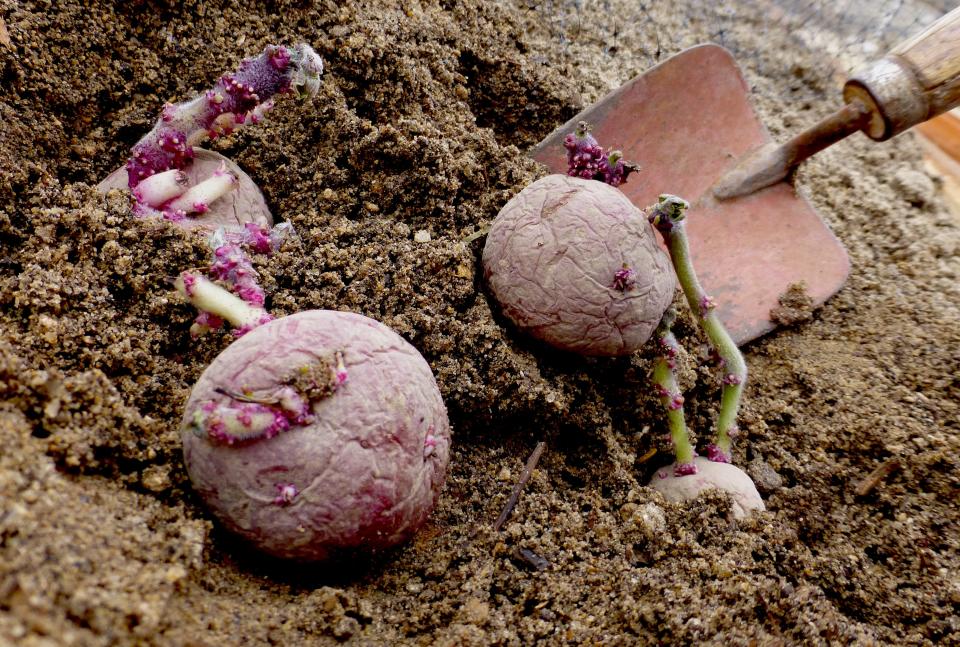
[(689, 124)]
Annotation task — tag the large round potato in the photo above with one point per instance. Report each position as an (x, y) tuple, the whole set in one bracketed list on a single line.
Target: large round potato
[(552, 259), (363, 473)]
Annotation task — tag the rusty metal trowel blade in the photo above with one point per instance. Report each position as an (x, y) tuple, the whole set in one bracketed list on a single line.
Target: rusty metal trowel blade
[(686, 122)]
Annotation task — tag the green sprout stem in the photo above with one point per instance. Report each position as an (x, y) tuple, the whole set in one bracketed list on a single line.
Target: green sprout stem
[(667, 216), (664, 377)]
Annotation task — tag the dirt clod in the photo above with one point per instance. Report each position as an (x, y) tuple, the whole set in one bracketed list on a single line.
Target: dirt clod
[(796, 306)]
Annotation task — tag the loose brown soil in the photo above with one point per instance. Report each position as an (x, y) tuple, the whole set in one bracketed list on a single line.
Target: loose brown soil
[(421, 124)]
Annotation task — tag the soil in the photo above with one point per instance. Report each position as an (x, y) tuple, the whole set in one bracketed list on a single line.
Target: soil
[(421, 124)]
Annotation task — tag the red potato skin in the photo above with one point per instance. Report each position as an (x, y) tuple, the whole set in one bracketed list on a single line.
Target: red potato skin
[(551, 258), (364, 479)]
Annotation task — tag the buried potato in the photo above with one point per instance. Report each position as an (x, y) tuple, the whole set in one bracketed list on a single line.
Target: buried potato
[(710, 475), (318, 433)]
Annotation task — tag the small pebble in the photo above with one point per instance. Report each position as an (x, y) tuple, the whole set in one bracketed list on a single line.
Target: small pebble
[(345, 628), (422, 236), (764, 477), (476, 611), (156, 478), (651, 518), (175, 573)]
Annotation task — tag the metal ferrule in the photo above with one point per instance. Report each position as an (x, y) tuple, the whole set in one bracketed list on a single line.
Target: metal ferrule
[(890, 89)]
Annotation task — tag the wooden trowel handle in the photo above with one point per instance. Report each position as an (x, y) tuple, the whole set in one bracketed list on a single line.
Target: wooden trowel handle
[(918, 80)]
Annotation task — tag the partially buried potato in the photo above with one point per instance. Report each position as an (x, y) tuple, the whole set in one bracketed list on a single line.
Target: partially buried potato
[(317, 434), (710, 475), (574, 263)]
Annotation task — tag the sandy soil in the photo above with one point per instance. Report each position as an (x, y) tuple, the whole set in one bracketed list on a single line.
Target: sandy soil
[(422, 123)]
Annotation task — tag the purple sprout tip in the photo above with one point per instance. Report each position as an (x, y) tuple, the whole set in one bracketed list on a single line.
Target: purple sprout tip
[(341, 370), (429, 443), (623, 279), (279, 57), (586, 159), (707, 303), (237, 98), (286, 493), (684, 469), (716, 454), (243, 330)]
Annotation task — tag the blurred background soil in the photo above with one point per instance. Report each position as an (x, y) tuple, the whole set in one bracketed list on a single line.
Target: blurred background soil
[(421, 125)]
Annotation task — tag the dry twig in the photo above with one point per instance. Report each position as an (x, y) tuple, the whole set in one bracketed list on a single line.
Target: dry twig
[(524, 478), (874, 478)]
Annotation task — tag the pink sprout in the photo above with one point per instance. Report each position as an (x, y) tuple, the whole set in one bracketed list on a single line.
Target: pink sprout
[(235, 421), (247, 416), (623, 279), (231, 264), (294, 406), (341, 370), (286, 493), (429, 443), (707, 303), (236, 99), (258, 238), (207, 321), (189, 281), (586, 159), (614, 170), (243, 330), (674, 400), (717, 455), (584, 153)]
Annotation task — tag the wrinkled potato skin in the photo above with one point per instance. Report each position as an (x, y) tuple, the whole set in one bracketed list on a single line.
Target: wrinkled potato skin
[(363, 478), (550, 260)]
